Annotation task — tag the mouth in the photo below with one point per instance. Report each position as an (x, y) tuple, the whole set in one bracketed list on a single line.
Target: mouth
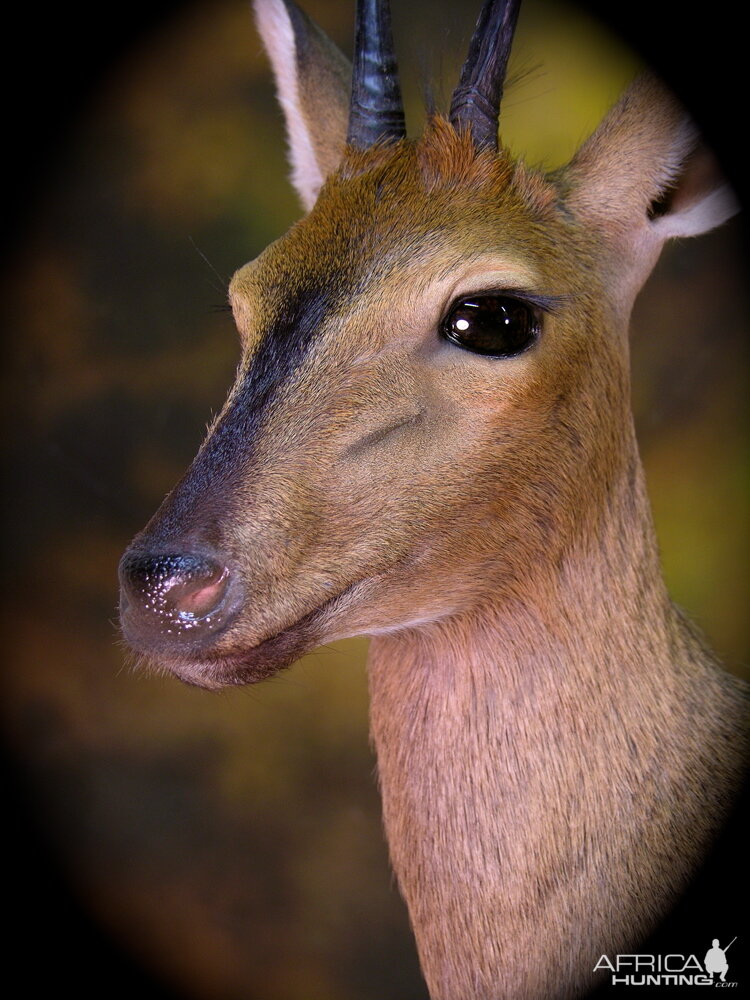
[(256, 663)]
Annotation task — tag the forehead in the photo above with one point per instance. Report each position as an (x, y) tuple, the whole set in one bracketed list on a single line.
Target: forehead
[(414, 207)]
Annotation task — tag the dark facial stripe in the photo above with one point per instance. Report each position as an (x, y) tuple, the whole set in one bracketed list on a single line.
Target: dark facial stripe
[(281, 352), (208, 483)]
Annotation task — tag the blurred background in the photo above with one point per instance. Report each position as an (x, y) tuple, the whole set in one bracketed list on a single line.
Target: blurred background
[(229, 846)]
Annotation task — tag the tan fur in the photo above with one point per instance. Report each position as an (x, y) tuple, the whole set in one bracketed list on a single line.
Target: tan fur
[(555, 746)]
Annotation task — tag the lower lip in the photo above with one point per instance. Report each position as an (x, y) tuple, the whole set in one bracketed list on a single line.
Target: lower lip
[(257, 662)]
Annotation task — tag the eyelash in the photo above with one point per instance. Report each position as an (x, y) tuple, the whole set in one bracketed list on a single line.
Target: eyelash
[(545, 303)]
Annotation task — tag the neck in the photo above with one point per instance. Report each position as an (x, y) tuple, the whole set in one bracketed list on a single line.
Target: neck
[(552, 768)]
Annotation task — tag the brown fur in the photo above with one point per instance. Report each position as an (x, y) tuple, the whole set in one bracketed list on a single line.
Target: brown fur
[(555, 747)]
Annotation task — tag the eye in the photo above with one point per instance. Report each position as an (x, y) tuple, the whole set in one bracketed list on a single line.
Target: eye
[(497, 325)]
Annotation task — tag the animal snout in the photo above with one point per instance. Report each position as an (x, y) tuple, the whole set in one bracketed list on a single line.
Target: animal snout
[(170, 599)]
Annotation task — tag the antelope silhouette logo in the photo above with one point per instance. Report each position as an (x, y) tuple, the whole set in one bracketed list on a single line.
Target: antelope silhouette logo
[(716, 959)]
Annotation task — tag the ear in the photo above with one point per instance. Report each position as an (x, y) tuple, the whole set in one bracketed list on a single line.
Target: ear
[(313, 81), (644, 177)]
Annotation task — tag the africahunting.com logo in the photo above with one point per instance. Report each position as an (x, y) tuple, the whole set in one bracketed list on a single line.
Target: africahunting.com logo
[(670, 970)]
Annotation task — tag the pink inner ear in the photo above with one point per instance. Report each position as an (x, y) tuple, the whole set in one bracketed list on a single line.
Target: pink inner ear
[(701, 175)]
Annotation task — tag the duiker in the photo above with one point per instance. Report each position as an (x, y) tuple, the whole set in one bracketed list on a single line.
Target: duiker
[(430, 442)]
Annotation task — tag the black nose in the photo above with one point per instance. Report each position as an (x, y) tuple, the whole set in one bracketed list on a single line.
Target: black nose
[(165, 597)]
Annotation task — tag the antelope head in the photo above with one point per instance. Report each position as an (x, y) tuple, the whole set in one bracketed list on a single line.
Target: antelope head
[(433, 399)]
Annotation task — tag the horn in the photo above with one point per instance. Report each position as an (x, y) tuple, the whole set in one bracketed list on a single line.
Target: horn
[(376, 110), (476, 99)]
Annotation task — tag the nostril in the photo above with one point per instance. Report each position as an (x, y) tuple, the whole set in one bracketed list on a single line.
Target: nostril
[(197, 596), (187, 586)]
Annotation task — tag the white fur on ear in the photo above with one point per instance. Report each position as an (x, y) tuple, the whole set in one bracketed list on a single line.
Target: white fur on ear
[(275, 27), (313, 80), (702, 200)]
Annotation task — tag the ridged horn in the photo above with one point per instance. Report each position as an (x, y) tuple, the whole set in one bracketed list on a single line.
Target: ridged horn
[(476, 99), (376, 110)]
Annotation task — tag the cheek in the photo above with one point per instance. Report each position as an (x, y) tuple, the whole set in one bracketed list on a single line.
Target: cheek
[(415, 497), (482, 392)]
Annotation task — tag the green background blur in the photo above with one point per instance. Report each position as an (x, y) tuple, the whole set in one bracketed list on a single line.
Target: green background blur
[(232, 842)]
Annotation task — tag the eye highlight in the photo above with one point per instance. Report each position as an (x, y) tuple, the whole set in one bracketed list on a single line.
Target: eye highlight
[(496, 324)]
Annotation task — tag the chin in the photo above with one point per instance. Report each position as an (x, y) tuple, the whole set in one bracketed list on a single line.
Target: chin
[(235, 667)]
